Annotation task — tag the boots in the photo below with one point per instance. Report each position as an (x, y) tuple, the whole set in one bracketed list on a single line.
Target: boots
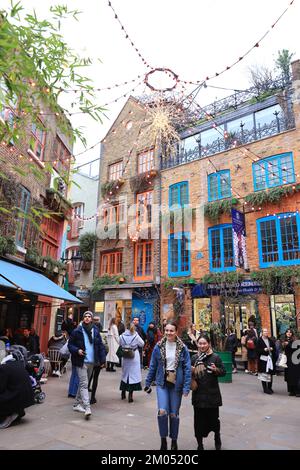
[(200, 443), (218, 443), (163, 445), (174, 444), (130, 399), (266, 390), (123, 395), (270, 386)]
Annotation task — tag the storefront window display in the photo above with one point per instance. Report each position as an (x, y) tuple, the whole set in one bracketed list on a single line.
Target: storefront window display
[(202, 313), (238, 312), (283, 313)]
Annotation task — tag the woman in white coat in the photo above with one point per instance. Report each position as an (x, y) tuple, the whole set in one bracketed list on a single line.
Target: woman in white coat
[(113, 342), (131, 368)]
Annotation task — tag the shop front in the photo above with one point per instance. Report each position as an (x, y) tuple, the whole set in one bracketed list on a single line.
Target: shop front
[(237, 303), (28, 299), (126, 302)]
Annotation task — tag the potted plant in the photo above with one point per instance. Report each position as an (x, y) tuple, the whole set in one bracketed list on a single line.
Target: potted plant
[(218, 339)]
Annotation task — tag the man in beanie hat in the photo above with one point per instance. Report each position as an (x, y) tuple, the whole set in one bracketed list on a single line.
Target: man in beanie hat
[(87, 350)]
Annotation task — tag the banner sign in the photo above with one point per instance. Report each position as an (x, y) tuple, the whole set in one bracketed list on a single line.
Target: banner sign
[(239, 239), (227, 288)]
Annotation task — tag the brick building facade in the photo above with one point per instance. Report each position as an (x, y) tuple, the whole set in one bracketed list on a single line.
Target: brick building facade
[(128, 245), (27, 189), (241, 161)]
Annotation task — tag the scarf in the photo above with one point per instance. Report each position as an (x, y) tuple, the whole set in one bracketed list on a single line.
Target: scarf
[(88, 329), (179, 348), (200, 368)]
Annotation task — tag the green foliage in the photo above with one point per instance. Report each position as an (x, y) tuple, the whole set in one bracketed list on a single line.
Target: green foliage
[(140, 182), (86, 245), (33, 257), (222, 278), (283, 63), (213, 210), (35, 65), (53, 265), (277, 279), (270, 196), (7, 246), (110, 188), (178, 282), (217, 336), (106, 279)]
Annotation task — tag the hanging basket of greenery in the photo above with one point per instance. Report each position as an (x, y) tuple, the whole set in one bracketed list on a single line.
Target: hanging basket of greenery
[(213, 210), (143, 181), (270, 196), (277, 280), (86, 245), (7, 246), (110, 188), (106, 279)]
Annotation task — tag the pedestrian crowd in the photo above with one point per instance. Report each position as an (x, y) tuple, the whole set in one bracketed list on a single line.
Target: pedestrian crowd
[(174, 366)]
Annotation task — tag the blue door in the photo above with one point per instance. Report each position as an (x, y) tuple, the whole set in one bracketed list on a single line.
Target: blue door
[(143, 309)]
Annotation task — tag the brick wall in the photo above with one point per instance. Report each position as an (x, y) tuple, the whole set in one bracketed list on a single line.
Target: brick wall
[(240, 167)]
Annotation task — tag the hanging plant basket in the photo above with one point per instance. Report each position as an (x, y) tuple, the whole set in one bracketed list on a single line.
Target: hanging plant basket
[(260, 198), (143, 181), (213, 210), (110, 188)]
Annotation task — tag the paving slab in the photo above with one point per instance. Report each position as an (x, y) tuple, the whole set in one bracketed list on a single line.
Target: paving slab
[(249, 419)]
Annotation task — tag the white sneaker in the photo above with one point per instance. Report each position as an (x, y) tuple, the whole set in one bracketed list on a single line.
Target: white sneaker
[(78, 408), (246, 371), (87, 413)]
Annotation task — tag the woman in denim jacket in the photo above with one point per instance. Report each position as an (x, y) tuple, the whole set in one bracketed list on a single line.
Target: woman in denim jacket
[(170, 367)]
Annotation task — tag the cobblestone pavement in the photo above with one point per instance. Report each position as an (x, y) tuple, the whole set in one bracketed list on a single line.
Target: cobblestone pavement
[(249, 419)]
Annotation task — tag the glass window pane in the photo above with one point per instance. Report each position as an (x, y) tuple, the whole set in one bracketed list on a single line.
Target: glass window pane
[(190, 143), (228, 247), (225, 185), (289, 238), (211, 135), (184, 254), (266, 116), (269, 245), (184, 194), (216, 249), (174, 254), (213, 187)]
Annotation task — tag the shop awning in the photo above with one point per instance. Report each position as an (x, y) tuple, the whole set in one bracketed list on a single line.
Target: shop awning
[(17, 277)]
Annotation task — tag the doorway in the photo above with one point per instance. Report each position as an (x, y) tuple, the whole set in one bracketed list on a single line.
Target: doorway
[(283, 313), (237, 314)]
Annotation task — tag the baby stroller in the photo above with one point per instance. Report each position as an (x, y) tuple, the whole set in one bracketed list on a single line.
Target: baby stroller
[(35, 368)]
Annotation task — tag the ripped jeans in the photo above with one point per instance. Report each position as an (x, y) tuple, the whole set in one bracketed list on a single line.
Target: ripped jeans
[(168, 403)]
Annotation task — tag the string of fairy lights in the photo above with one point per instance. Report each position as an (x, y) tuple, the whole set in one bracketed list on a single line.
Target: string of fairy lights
[(247, 152)]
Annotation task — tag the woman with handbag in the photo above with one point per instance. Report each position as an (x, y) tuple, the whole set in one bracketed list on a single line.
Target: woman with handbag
[(292, 372), (131, 379), (207, 366), (170, 368), (266, 352)]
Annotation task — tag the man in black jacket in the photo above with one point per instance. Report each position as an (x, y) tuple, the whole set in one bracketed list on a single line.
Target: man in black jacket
[(87, 349)]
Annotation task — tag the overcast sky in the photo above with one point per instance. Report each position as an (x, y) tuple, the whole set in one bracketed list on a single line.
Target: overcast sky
[(194, 38)]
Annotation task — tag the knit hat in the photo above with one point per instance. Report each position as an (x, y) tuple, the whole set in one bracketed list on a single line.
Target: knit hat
[(88, 313)]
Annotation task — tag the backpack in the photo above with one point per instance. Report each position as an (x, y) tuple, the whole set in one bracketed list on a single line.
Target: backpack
[(250, 344)]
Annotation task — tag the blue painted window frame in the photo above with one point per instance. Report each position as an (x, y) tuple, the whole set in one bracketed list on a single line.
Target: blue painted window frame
[(264, 163), (277, 218), (221, 230), (178, 187), (179, 237), (219, 176)]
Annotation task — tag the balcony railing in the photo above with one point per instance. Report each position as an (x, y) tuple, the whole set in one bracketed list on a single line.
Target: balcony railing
[(222, 144)]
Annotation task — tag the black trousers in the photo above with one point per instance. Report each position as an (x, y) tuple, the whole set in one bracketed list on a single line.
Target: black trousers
[(93, 382)]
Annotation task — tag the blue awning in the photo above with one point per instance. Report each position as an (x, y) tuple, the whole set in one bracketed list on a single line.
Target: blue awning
[(14, 277)]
